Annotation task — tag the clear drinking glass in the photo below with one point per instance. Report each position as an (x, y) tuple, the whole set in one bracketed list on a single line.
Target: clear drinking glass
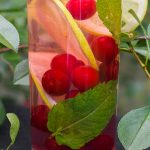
[(61, 66)]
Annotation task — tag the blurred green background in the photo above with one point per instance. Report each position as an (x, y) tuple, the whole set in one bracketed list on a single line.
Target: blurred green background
[(134, 87)]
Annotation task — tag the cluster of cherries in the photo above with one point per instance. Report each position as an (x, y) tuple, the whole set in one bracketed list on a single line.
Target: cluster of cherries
[(67, 72), (67, 69), (70, 76)]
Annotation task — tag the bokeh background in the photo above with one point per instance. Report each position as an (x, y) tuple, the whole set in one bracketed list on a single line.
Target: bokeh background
[(134, 87)]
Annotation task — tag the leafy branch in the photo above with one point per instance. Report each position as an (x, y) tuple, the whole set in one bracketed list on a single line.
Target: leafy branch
[(143, 66), (5, 49), (145, 33), (10, 38), (130, 48)]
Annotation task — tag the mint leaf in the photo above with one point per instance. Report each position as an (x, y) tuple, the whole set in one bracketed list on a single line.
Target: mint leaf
[(14, 128), (8, 34), (21, 73), (79, 120), (110, 12), (2, 113), (134, 129)]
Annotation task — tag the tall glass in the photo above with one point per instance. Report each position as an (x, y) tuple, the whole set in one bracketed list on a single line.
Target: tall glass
[(70, 53)]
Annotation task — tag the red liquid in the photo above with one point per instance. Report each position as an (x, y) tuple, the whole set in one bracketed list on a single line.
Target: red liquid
[(50, 35)]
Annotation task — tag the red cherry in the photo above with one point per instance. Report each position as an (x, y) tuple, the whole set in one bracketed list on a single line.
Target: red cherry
[(79, 63), (51, 144), (55, 82), (105, 49), (85, 77), (90, 38), (113, 71), (103, 72), (71, 94), (103, 142), (82, 9), (64, 62), (109, 72), (39, 117)]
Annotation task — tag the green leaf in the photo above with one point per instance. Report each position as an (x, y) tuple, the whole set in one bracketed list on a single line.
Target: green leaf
[(23, 81), (79, 120), (142, 51), (21, 73), (134, 129), (14, 129), (8, 34), (2, 113), (110, 12)]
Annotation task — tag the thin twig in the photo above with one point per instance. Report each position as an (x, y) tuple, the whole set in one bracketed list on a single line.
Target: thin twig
[(8, 49), (143, 66), (143, 38)]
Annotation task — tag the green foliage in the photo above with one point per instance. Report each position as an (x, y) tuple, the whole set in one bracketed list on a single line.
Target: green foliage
[(14, 128), (8, 34), (142, 51), (12, 58), (15, 12), (78, 120), (110, 12), (133, 129), (21, 76), (7, 5)]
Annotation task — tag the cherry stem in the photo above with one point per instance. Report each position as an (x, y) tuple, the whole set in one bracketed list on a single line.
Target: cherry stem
[(8, 49)]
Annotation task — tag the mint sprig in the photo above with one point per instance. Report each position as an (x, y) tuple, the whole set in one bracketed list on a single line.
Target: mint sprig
[(79, 120)]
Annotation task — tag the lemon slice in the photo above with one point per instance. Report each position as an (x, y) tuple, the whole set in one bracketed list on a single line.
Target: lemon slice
[(128, 21)]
